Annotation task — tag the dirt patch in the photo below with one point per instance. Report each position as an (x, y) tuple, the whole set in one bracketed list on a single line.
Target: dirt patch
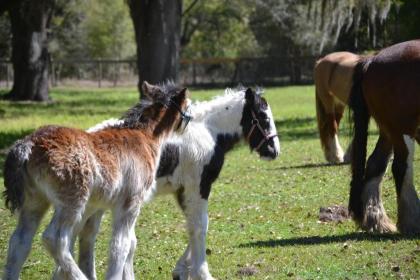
[(248, 270), (335, 213)]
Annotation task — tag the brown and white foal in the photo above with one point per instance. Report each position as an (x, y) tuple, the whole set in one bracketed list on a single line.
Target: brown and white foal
[(79, 173)]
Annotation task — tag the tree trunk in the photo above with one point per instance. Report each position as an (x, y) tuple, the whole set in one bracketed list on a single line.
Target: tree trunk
[(29, 22), (157, 24)]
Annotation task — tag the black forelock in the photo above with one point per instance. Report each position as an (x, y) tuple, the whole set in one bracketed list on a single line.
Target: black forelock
[(260, 103)]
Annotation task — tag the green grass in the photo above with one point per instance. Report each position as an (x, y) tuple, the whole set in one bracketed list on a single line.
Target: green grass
[(262, 214)]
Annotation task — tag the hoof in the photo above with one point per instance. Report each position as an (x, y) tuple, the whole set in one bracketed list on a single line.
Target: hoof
[(378, 222)]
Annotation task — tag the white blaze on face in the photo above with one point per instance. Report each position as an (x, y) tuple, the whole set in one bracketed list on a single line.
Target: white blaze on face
[(273, 130)]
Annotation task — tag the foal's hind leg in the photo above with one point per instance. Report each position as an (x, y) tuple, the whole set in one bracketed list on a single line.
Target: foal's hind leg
[(375, 218), (87, 229), (58, 241), (124, 219), (87, 237), (408, 201), (128, 273), (21, 241)]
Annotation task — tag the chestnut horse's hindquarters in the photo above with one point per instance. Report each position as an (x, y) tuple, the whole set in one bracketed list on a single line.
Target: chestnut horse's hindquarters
[(333, 80)]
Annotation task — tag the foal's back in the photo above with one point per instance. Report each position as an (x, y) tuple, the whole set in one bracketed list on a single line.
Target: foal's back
[(75, 163)]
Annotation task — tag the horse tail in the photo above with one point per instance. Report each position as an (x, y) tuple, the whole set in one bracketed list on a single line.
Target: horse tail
[(360, 118), (14, 174), (321, 113), (321, 116)]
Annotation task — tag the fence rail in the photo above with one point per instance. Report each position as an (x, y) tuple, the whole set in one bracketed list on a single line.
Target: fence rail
[(203, 72)]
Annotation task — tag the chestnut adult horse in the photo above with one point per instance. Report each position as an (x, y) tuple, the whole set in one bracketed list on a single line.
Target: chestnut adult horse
[(333, 80), (386, 87)]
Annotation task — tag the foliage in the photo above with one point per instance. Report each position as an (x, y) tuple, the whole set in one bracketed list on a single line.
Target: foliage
[(109, 29), (223, 28), (216, 28), (67, 37), (263, 215), (312, 26), (93, 29)]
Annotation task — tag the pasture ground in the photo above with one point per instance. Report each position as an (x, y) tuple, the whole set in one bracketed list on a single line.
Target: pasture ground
[(263, 215)]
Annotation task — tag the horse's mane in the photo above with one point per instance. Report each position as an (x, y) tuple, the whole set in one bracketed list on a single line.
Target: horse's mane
[(202, 109), (199, 109), (134, 117)]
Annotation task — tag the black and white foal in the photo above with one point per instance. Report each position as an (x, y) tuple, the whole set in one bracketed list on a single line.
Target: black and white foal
[(191, 162)]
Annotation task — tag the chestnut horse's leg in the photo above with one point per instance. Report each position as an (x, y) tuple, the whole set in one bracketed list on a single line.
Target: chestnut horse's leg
[(375, 218), (328, 125), (339, 112), (20, 243), (408, 201)]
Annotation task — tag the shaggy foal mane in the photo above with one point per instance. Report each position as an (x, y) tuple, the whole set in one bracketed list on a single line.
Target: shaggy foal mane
[(139, 117)]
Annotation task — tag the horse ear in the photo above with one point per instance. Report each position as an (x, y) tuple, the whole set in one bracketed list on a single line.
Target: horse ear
[(249, 95), (149, 90), (184, 93)]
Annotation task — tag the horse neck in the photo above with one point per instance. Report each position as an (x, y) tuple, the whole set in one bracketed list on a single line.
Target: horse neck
[(221, 115)]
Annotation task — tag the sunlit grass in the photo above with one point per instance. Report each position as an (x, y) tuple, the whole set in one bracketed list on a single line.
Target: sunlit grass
[(263, 215)]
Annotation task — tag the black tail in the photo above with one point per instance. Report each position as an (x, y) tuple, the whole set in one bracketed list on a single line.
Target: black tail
[(360, 118), (14, 174)]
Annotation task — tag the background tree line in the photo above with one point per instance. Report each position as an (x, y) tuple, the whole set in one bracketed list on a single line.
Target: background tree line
[(158, 33)]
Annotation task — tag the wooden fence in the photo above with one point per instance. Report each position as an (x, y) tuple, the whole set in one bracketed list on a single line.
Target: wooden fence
[(204, 72)]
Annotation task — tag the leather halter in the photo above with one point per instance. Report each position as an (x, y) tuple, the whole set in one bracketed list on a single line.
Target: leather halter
[(256, 124), (185, 116)]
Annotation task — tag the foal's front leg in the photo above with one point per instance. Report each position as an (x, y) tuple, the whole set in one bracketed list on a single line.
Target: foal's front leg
[(194, 259)]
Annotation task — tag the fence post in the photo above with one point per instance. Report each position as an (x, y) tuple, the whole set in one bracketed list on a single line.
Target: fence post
[(7, 74), (52, 73), (99, 73), (116, 72), (194, 74)]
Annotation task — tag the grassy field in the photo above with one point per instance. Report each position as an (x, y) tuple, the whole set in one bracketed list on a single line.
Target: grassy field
[(263, 215)]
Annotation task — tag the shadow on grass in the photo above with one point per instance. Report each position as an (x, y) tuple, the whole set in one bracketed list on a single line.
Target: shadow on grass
[(318, 240), (308, 165)]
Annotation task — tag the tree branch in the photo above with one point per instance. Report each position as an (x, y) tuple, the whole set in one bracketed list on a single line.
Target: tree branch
[(190, 7)]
